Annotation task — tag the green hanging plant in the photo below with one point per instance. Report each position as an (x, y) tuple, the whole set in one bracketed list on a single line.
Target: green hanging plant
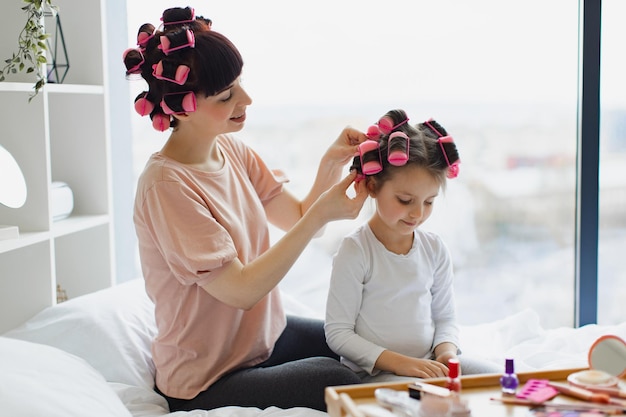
[(31, 55)]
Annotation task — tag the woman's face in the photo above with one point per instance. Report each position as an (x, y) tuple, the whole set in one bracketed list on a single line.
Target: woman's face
[(405, 201), (224, 112)]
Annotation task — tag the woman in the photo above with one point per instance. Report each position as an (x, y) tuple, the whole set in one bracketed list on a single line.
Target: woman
[(202, 209)]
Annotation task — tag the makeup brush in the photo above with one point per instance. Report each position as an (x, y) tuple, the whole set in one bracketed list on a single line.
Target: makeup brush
[(581, 393)]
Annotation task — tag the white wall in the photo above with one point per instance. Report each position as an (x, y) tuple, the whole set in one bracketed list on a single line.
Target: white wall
[(121, 141)]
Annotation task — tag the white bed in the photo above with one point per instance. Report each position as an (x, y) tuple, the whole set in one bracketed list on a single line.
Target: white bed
[(90, 356)]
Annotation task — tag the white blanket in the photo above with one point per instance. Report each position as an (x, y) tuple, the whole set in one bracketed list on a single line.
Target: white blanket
[(93, 353)]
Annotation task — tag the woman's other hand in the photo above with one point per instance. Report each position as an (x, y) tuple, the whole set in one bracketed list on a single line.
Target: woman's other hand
[(345, 147)]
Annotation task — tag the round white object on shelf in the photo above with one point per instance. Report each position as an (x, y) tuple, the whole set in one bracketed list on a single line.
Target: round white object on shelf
[(12, 182)]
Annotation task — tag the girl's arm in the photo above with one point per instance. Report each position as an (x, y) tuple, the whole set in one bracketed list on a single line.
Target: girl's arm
[(443, 308), (344, 303), (445, 351)]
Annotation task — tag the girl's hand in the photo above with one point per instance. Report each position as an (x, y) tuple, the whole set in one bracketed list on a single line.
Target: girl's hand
[(445, 351), (424, 368), (407, 366), (445, 357), (345, 146), (403, 365)]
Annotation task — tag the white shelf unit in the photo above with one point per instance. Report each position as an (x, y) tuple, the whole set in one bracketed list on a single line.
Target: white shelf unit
[(62, 134)]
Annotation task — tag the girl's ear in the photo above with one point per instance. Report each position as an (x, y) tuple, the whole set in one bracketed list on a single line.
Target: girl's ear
[(370, 184)]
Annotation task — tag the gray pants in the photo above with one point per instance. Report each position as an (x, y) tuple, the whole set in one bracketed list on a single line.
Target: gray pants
[(300, 368)]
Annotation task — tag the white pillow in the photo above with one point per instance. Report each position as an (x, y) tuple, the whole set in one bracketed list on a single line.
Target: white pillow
[(38, 380), (111, 329)]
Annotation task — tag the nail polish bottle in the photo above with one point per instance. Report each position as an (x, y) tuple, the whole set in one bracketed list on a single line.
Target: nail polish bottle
[(509, 380), (454, 382)]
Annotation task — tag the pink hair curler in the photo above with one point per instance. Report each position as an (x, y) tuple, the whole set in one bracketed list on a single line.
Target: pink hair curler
[(177, 40), (161, 122), (383, 127), (373, 132), (453, 168), (371, 162), (179, 103), (143, 106), (186, 15), (398, 148), (165, 71), (143, 38), (145, 33), (136, 59)]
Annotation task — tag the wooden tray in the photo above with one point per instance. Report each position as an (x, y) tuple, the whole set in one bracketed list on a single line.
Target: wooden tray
[(342, 401)]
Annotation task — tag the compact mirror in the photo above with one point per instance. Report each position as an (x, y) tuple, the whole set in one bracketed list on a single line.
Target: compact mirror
[(608, 354), (607, 363), (12, 182)]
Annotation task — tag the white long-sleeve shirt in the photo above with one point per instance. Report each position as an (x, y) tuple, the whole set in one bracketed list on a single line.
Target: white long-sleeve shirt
[(380, 300)]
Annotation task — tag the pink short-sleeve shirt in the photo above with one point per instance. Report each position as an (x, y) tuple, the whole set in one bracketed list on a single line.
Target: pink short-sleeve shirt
[(190, 223)]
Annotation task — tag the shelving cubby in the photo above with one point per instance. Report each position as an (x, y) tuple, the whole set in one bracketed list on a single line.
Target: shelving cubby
[(59, 135)]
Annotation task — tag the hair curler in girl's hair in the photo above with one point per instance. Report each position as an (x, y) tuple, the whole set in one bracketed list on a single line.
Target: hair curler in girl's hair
[(398, 148), (373, 132), (371, 162), (384, 126), (453, 166)]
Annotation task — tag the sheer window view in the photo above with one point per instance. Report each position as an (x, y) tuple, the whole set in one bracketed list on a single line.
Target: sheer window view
[(611, 271), (500, 77)]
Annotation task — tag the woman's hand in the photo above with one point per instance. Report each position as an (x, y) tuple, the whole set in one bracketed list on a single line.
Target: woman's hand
[(335, 204), (345, 146)]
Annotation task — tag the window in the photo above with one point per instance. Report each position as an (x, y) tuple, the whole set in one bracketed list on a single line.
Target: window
[(501, 78), (612, 222)]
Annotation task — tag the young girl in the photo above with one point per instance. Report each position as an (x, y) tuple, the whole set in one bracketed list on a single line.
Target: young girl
[(391, 309), (201, 215)]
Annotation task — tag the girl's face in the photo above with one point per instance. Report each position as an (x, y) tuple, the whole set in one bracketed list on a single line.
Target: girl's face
[(224, 112), (404, 201)]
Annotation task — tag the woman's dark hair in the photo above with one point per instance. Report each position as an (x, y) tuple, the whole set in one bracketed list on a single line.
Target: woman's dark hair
[(425, 149), (213, 61)]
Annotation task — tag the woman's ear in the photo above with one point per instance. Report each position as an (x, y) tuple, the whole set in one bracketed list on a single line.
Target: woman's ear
[(181, 116)]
